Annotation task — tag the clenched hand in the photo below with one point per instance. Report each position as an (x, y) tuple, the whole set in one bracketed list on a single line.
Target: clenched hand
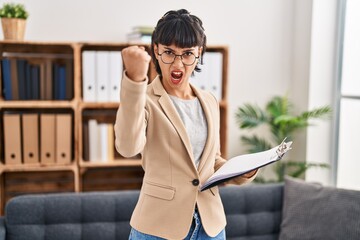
[(136, 61)]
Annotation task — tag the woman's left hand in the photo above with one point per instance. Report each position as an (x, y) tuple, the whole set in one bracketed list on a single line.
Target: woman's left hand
[(250, 174)]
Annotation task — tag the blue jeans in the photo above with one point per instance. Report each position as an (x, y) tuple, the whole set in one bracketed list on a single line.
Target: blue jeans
[(196, 232)]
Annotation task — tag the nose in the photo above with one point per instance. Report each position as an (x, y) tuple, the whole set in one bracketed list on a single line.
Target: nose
[(177, 60)]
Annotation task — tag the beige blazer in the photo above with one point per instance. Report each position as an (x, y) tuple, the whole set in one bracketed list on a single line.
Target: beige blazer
[(148, 123)]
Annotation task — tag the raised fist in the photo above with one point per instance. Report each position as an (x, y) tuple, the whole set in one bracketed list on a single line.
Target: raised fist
[(136, 61)]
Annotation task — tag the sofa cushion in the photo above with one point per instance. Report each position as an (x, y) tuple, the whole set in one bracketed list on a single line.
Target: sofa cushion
[(252, 211), (96, 215), (312, 211)]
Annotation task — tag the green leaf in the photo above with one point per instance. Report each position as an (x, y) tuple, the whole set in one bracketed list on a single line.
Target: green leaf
[(278, 106), (297, 169), (255, 144), (322, 112), (285, 119), (250, 116), (11, 10)]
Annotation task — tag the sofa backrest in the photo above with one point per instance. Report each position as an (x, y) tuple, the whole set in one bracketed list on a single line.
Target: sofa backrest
[(253, 211), (70, 216)]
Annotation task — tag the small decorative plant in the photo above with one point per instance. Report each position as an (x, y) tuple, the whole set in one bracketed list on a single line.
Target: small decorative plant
[(13, 19), (282, 123), (12, 10)]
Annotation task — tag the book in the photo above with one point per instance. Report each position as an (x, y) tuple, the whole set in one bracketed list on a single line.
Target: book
[(35, 81), (94, 141), (102, 81), (69, 68), (89, 76), (14, 80), (47, 138), (140, 34), (30, 137), (12, 138), (21, 68), (7, 84), (138, 38), (63, 135), (242, 164), (61, 84), (115, 75), (143, 29)]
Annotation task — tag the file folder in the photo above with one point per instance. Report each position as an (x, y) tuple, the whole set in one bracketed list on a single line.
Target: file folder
[(48, 80), (102, 76), (12, 138), (116, 68), (69, 92), (30, 135), (42, 80), (21, 74), (103, 128), (7, 79), (63, 138), (94, 141), (111, 142), (48, 134), (215, 65), (89, 76), (14, 79)]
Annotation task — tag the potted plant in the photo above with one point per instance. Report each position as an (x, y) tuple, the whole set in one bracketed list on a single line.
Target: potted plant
[(13, 20), (282, 123)]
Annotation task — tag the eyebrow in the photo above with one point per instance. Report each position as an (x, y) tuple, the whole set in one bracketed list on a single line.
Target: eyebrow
[(184, 50)]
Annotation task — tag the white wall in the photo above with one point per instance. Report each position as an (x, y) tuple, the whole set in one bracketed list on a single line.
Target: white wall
[(300, 69), (269, 41), (322, 79)]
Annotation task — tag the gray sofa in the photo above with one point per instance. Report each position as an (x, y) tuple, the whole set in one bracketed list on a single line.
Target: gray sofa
[(254, 212)]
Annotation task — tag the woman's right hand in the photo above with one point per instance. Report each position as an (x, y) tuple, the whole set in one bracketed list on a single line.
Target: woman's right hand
[(136, 61)]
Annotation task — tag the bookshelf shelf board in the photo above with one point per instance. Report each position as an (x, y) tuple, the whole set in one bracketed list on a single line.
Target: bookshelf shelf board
[(38, 104), (115, 163), (99, 105), (38, 167)]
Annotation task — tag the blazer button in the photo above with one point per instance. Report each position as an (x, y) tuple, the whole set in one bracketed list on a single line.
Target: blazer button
[(195, 182)]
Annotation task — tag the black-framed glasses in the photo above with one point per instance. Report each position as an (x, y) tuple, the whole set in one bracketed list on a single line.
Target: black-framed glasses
[(187, 58)]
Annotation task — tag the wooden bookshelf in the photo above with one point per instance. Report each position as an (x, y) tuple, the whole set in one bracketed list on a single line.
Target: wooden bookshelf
[(79, 174)]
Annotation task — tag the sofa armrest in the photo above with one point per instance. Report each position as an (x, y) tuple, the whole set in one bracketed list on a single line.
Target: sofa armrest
[(2, 228)]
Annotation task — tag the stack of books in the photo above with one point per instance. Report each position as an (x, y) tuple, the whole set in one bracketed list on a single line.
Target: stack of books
[(140, 34)]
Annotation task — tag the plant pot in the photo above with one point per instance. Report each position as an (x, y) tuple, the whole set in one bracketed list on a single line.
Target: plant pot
[(13, 28)]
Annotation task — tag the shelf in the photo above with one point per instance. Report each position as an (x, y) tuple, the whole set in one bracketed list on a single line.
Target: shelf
[(115, 163), (97, 105), (38, 104), (37, 167), (109, 46), (25, 47)]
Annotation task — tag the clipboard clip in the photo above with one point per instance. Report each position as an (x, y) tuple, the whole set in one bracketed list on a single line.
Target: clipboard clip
[(283, 147)]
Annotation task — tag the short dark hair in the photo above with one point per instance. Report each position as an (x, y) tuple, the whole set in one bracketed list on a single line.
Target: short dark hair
[(181, 29)]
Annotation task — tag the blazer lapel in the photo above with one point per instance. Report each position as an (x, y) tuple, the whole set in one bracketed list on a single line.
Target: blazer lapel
[(173, 116)]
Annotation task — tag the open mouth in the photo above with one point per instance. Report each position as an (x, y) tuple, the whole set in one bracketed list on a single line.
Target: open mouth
[(176, 77)]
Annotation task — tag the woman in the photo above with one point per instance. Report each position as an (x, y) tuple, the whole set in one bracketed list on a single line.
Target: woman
[(175, 127)]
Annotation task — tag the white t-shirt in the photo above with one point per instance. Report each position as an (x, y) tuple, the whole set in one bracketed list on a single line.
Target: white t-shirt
[(194, 120)]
